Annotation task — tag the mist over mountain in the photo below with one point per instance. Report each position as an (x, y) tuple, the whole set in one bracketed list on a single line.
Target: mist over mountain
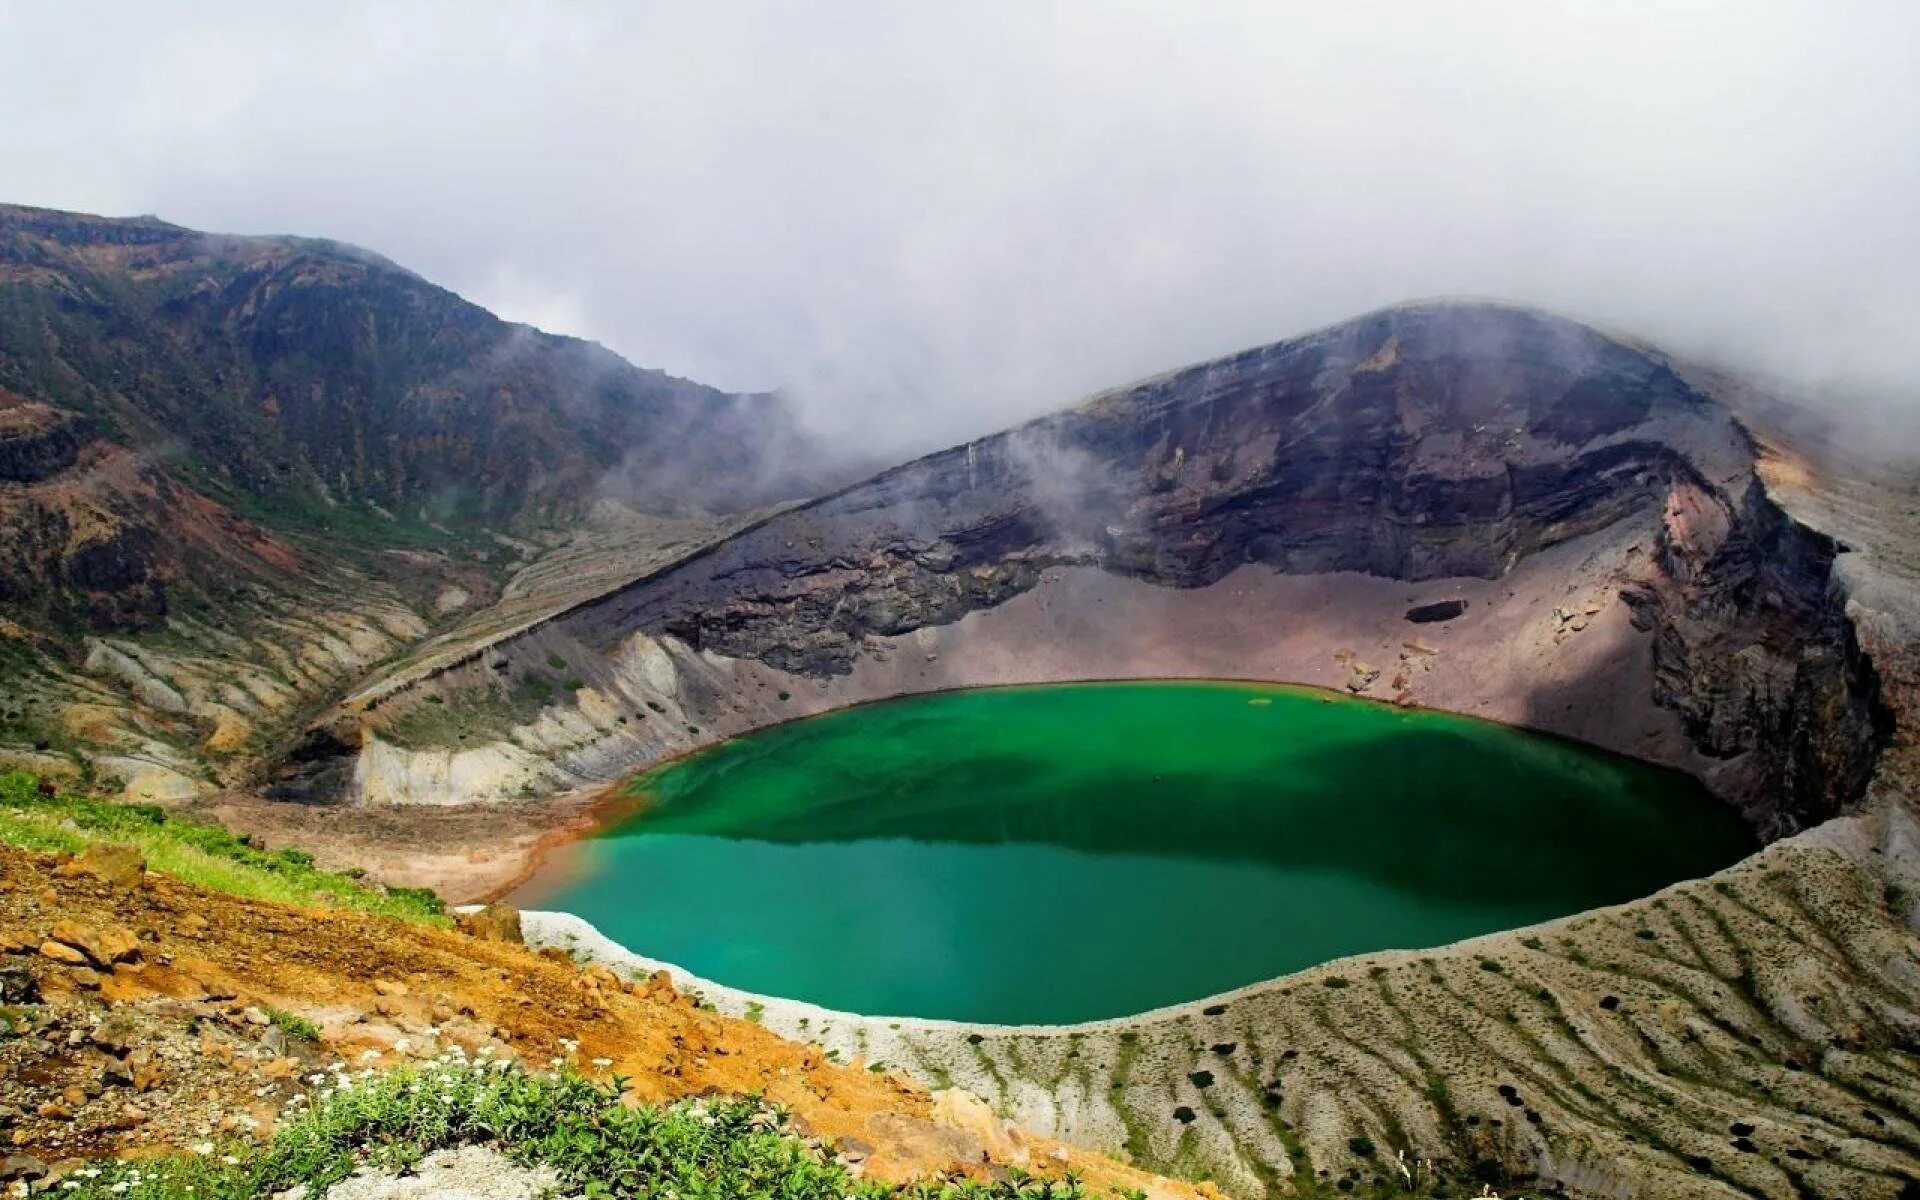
[(923, 225), (307, 375)]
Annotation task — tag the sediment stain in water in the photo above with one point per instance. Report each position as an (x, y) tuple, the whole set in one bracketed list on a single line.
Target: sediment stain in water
[(1064, 853)]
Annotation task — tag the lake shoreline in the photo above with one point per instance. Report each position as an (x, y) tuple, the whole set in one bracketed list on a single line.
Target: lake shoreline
[(919, 834)]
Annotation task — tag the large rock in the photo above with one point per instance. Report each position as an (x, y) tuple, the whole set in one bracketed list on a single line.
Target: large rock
[(103, 947), (493, 923), (23, 1167), (18, 986), (119, 865)]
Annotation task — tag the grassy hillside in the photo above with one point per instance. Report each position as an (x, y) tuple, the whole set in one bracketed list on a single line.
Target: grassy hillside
[(206, 855)]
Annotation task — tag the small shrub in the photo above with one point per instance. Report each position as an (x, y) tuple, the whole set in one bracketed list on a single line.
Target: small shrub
[(293, 1024), (556, 662)]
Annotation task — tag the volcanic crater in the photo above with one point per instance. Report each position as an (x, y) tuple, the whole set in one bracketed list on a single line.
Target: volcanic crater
[(1454, 506)]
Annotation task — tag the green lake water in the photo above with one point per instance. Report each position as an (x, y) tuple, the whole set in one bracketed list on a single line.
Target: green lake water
[(1052, 854)]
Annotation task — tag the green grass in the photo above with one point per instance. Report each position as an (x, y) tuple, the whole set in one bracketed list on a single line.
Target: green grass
[(293, 1024), (474, 715), (208, 856), (577, 1127)]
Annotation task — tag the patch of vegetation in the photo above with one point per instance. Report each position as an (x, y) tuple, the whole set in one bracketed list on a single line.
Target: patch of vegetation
[(293, 1024), (572, 1125), (474, 714), (209, 856), (556, 662)]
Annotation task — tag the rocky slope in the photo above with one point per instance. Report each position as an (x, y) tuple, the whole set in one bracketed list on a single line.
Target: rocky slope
[(1442, 446), (236, 474)]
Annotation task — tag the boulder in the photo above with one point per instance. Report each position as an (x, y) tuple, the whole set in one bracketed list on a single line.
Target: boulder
[(18, 986), (103, 948), (63, 953), (116, 1035), (659, 987), (851, 1149), (121, 866), (494, 923), (21, 1167)]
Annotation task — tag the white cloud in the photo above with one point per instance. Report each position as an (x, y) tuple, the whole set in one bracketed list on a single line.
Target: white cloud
[(930, 220)]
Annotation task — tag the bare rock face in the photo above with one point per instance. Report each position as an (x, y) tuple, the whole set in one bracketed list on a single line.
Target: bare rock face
[(1753, 649)]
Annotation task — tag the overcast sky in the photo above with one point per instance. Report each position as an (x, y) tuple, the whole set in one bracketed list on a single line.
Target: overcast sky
[(927, 220)]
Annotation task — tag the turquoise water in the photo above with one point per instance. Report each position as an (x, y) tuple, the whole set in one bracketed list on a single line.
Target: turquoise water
[(1051, 854)]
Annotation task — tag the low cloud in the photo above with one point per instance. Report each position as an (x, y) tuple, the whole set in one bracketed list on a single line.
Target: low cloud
[(925, 222)]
